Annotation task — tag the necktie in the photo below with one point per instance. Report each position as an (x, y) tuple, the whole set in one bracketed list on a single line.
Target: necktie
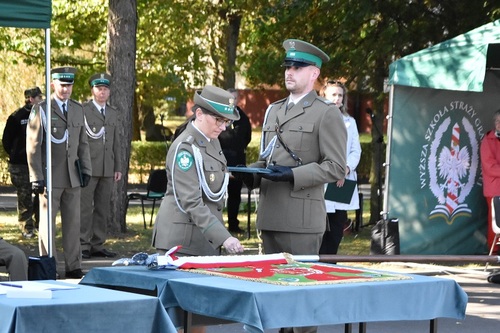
[(102, 111), (64, 108)]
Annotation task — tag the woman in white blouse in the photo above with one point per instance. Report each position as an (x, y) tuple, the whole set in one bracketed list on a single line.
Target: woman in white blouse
[(336, 92)]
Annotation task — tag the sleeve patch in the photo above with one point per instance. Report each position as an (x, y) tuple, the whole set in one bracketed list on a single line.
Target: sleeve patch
[(184, 160)]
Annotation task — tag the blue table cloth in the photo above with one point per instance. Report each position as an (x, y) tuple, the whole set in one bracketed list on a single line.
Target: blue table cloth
[(265, 306), (84, 310)]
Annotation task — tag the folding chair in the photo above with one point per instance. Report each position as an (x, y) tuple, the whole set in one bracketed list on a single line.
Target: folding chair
[(495, 224), (155, 191)]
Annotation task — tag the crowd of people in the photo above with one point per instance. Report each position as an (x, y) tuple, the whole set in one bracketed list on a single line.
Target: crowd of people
[(85, 162), (308, 141)]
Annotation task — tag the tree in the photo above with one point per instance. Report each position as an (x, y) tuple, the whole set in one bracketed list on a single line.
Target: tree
[(362, 37), (121, 55)]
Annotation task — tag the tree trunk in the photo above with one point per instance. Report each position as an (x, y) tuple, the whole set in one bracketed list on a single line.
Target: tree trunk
[(378, 158), (232, 35), (121, 50)]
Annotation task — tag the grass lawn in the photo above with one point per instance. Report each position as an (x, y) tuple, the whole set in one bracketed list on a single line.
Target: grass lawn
[(138, 239)]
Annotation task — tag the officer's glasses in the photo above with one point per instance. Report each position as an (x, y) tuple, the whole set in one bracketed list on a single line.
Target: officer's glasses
[(222, 121)]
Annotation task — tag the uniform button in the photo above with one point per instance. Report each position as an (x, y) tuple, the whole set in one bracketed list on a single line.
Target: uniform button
[(302, 188), (277, 146), (219, 209), (220, 153), (300, 127), (223, 168), (281, 130)]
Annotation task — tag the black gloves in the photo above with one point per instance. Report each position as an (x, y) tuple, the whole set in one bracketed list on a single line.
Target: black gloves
[(279, 174), (85, 180), (38, 186)]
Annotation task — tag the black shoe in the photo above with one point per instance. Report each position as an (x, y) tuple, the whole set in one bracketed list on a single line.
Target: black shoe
[(75, 274), (237, 230), (104, 253), (86, 254)]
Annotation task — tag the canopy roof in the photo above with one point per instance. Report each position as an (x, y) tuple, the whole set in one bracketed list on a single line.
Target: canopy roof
[(35, 14), (456, 64)]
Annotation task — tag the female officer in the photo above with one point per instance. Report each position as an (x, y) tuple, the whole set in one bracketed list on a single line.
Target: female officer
[(190, 214)]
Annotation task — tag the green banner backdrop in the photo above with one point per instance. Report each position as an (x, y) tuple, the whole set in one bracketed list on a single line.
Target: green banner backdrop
[(441, 106), (435, 183)]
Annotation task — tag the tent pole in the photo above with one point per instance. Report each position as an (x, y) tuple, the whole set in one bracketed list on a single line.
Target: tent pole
[(387, 163), (48, 144)]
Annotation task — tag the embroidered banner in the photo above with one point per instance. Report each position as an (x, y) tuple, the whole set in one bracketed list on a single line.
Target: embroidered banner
[(300, 274)]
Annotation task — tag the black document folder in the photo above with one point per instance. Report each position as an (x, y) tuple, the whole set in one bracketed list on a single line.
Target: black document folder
[(79, 169), (341, 194)]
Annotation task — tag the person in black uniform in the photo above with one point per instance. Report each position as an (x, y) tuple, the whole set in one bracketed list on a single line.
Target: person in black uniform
[(14, 143), (234, 141)]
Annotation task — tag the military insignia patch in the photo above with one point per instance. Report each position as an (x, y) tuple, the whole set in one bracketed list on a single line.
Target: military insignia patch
[(184, 160)]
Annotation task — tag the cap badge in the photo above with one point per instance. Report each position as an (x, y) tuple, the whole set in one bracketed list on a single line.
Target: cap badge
[(292, 44), (231, 102)]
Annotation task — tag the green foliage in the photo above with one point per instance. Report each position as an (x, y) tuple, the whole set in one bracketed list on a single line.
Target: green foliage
[(4, 168), (144, 157)]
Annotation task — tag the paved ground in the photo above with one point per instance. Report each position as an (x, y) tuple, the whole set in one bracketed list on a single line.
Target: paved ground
[(483, 309)]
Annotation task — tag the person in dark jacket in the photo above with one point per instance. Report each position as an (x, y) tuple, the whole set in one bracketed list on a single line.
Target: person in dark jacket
[(14, 143), (234, 141)]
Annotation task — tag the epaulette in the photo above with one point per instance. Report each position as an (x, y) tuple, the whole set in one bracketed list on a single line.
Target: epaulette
[(73, 101), (281, 101), (324, 100), (188, 140)]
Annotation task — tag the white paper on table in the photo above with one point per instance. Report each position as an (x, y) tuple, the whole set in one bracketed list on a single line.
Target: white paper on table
[(34, 285)]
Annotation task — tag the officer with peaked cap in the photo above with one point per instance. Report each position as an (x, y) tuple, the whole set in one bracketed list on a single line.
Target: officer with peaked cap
[(303, 143), (65, 75), (103, 131), (303, 54), (70, 149), (190, 214), (14, 143)]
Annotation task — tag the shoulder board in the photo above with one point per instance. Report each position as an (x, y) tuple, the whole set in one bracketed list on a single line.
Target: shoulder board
[(281, 101), (75, 102), (111, 106), (324, 100), (189, 140)]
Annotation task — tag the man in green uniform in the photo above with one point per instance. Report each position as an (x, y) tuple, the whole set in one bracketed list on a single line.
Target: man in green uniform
[(101, 124), (304, 145), (68, 145)]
